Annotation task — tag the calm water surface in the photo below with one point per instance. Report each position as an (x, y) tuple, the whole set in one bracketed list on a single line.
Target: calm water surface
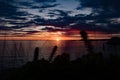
[(16, 53)]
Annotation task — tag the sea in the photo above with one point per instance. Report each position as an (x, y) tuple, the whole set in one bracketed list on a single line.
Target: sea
[(14, 54)]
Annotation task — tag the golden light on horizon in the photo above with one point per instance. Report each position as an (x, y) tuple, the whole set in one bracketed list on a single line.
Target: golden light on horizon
[(57, 39), (57, 36)]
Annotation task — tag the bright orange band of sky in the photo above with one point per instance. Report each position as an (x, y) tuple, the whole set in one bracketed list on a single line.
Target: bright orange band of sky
[(58, 35)]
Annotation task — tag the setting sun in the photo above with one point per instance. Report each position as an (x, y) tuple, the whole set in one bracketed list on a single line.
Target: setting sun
[(57, 39)]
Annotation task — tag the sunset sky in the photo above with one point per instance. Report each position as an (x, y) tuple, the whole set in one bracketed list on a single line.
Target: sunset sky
[(58, 19)]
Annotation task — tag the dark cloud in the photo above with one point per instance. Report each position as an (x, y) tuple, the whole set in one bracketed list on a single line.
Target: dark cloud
[(45, 0), (58, 13), (49, 5), (103, 8), (44, 6), (48, 29), (5, 28), (6, 0), (62, 13), (107, 5), (114, 4), (25, 3), (89, 3), (7, 9), (103, 11), (31, 32)]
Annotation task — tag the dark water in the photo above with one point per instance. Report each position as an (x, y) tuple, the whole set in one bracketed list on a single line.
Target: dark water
[(16, 53)]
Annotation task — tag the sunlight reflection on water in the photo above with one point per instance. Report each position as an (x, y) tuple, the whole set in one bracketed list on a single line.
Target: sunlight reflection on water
[(16, 53)]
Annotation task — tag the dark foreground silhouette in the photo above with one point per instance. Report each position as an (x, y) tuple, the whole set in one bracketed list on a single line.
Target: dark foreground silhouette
[(90, 66)]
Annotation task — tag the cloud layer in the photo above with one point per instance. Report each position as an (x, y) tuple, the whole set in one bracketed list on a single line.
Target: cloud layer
[(94, 15)]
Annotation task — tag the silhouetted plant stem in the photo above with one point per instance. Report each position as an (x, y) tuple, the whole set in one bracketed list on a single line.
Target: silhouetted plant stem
[(36, 54), (53, 53), (88, 44)]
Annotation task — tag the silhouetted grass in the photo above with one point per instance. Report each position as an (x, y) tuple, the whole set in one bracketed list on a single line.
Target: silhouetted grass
[(90, 66)]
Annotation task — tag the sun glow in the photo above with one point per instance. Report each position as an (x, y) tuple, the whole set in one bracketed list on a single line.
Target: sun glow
[(57, 39)]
